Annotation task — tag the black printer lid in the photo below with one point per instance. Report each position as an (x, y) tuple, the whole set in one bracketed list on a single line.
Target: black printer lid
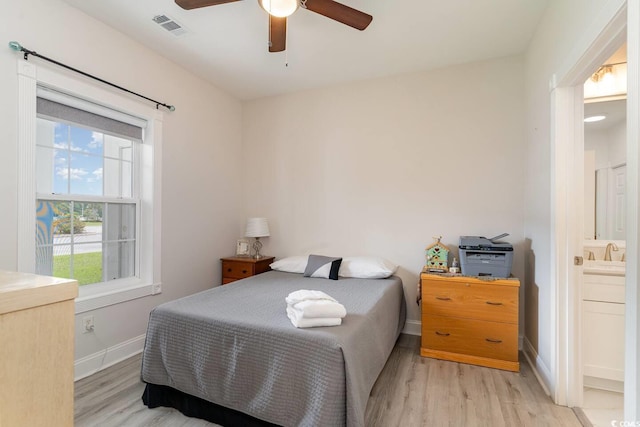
[(480, 243)]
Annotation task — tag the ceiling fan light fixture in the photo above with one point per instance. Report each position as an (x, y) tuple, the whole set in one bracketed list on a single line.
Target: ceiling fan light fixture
[(279, 8)]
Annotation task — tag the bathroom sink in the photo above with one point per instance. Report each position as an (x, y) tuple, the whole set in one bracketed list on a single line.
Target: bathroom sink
[(613, 268)]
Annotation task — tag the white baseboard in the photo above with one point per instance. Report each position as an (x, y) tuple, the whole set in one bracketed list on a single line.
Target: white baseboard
[(540, 370), (605, 372), (412, 327), (604, 384), (96, 362)]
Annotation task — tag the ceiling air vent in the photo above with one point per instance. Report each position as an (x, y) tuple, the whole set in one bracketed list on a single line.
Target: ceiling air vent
[(169, 24)]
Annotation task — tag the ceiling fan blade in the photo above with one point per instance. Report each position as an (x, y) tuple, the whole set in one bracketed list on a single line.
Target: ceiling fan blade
[(277, 34), (195, 4), (341, 13)]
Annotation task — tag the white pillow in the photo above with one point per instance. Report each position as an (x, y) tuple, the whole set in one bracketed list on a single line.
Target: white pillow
[(292, 264), (367, 267)]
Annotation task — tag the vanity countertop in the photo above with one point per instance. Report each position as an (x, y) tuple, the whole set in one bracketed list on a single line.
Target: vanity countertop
[(609, 268)]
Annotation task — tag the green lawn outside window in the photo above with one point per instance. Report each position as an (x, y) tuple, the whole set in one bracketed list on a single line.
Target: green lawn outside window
[(87, 268)]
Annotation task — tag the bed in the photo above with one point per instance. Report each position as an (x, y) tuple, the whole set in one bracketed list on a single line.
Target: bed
[(230, 354)]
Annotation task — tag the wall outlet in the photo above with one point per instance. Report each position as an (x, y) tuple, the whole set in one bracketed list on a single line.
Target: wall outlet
[(87, 321)]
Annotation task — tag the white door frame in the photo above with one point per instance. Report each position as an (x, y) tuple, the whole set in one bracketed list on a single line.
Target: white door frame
[(632, 299), (598, 43), (567, 162)]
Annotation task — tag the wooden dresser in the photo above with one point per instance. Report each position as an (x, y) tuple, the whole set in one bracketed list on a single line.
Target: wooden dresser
[(470, 320), (36, 350), (236, 268)]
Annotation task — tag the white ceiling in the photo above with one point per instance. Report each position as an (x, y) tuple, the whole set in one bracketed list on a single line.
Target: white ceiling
[(615, 112), (227, 44)]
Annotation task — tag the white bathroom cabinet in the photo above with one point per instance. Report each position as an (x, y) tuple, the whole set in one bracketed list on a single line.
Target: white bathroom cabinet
[(603, 323)]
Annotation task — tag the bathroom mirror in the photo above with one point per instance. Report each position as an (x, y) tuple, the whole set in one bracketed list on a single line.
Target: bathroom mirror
[(605, 170)]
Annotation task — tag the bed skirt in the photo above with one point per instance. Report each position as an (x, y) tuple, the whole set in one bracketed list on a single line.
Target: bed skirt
[(159, 395)]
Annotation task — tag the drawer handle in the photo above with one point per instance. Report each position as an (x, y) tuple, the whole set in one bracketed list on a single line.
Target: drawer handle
[(229, 270), (244, 271), (493, 340), (444, 298), (494, 303), (443, 334)]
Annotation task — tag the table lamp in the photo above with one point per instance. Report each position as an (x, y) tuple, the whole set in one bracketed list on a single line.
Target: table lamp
[(257, 227)]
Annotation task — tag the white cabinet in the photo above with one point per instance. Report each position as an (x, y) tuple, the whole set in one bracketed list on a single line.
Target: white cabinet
[(604, 340), (603, 331), (603, 288), (36, 350)]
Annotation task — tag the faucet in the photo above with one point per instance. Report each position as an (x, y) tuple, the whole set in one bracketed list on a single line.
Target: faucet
[(591, 256), (607, 251)]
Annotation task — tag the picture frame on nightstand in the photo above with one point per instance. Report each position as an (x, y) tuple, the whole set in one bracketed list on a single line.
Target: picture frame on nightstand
[(243, 248)]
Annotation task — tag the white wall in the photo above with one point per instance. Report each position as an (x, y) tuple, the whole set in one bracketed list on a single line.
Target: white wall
[(618, 149), (609, 144), (557, 35), (379, 167), (201, 191), (598, 141)]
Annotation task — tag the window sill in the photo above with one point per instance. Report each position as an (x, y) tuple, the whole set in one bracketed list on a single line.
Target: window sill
[(93, 297)]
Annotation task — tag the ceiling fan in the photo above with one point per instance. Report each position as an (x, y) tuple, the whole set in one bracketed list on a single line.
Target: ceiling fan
[(278, 11)]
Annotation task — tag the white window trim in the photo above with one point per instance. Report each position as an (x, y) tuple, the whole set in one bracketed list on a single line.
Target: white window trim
[(149, 281)]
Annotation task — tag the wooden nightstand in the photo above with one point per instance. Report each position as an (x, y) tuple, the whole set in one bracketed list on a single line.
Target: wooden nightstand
[(470, 320), (236, 268)]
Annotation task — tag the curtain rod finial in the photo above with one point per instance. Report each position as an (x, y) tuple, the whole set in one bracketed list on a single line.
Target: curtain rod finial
[(15, 46), (171, 108)]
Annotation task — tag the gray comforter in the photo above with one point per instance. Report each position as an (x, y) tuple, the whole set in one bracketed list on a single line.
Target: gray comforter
[(234, 345)]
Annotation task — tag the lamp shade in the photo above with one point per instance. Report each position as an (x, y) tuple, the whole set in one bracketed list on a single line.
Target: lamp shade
[(257, 227)]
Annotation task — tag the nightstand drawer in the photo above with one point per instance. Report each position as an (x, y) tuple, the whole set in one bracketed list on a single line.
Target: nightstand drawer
[(237, 270), (473, 337), (470, 299)]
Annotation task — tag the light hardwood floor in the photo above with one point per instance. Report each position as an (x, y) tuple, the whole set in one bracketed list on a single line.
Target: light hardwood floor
[(411, 391)]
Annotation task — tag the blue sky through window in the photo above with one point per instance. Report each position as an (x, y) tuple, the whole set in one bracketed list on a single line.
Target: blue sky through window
[(78, 160)]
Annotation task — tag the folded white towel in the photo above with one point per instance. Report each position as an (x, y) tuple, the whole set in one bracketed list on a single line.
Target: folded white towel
[(307, 295), (311, 309), (300, 322)]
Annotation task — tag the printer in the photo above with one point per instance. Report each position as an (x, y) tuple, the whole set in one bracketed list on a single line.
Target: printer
[(480, 256)]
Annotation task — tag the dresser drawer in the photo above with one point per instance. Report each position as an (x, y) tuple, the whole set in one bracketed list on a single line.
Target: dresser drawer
[(237, 270), (470, 299), (472, 337)]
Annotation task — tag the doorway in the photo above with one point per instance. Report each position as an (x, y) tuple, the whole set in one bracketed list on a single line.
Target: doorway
[(602, 305), (568, 194)]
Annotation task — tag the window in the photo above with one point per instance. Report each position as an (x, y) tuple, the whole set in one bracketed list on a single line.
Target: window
[(89, 180), (86, 196)]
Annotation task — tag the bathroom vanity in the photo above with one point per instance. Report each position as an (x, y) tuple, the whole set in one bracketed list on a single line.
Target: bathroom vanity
[(603, 296)]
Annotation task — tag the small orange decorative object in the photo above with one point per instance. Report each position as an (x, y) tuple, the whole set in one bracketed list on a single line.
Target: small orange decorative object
[(437, 256)]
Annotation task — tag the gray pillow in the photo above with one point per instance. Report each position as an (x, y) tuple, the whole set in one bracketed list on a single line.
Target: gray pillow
[(323, 266)]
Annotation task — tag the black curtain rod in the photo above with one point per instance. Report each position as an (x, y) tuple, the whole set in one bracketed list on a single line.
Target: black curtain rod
[(19, 48)]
